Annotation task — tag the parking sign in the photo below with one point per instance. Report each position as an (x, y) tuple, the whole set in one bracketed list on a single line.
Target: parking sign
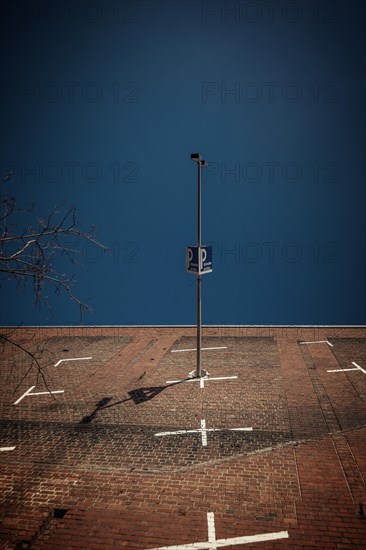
[(199, 259)]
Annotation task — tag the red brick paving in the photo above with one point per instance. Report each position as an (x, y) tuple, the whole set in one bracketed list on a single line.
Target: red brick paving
[(92, 455)]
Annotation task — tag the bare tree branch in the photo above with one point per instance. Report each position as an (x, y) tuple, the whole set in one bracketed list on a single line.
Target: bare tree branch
[(34, 361), (33, 254)]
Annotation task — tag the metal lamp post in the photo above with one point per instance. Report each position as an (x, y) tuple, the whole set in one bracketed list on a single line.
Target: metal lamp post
[(196, 157)]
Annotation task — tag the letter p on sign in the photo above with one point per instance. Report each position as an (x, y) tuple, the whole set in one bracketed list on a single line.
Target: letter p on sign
[(199, 260)]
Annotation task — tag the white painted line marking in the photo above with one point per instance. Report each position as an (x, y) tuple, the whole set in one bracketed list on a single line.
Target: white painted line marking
[(201, 380), (28, 393), (319, 342), (72, 359), (195, 349), (357, 367), (341, 370), (211, 529), (213, 543), (221, 377), (24, 394), (203, 431), (47, 392), (182, 380), (4, 449)]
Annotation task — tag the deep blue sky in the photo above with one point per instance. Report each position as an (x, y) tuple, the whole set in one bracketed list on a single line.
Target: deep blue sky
[(275, 91)]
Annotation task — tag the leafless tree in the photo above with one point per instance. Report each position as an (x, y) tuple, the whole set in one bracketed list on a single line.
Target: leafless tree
[(30, 255)]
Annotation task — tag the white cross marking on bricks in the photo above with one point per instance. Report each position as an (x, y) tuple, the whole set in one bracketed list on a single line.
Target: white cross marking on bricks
[(357, 367), (213, 543), (319, 342), (201, 380), (195, 349), (71, 359), (203, 431), (28, 393)]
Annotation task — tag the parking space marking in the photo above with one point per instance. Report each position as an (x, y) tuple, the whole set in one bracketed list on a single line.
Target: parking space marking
[(203, 431), (4, 449), (211, 531), (72, 359), (357, 367), (201, 380), (318, 342), (213, 543), (28, 393), (24, 395), (195, 349)]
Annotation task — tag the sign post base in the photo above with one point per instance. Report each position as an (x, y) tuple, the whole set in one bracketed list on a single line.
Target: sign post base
[(193, 374)]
